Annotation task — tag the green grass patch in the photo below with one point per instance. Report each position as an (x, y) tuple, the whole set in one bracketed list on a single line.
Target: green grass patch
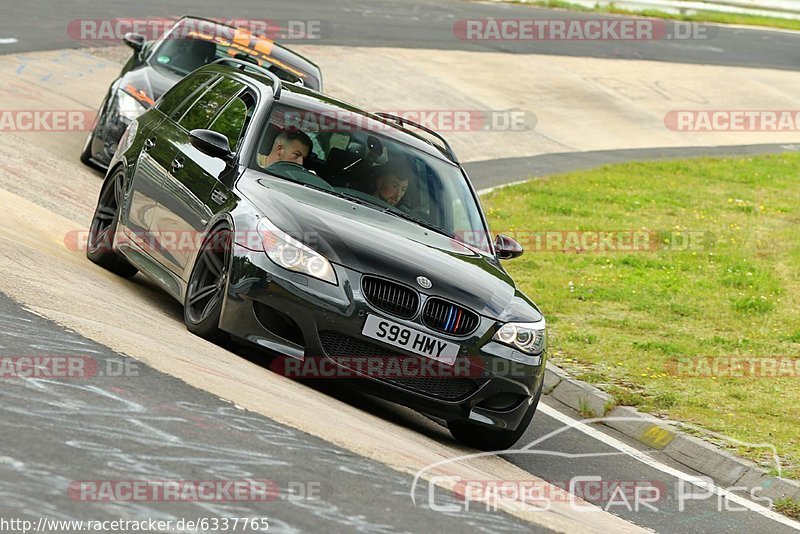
[(788, 506), (693, 16), (712, 280)]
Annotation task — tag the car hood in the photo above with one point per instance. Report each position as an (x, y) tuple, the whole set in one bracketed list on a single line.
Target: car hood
[(147, 83), (371, 242)]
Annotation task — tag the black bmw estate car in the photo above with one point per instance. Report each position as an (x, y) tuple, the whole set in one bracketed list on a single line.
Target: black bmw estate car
[(325, 234), (157, 65)]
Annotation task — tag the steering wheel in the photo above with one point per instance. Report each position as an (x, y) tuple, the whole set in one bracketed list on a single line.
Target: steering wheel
[(288, 166), (297, 172)]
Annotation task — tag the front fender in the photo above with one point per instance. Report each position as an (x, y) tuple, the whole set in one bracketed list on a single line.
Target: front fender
[(521, 309)]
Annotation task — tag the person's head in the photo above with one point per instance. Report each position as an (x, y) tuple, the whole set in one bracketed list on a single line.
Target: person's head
[(290, 146), (391, 183)]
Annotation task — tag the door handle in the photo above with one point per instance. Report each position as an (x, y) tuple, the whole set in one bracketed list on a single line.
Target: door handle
[(177, 164), (149, 143), (219, 197)]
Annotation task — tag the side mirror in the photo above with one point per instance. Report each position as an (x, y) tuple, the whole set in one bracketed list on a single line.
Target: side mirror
[(507, 248), (134, 40), (211, 143)]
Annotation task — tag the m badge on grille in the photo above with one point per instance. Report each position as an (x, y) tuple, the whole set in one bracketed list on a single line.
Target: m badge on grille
[(424, 282)]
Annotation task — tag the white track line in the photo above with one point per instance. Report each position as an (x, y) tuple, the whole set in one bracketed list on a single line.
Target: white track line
[(655, 464), (485, 190), (8, 40)]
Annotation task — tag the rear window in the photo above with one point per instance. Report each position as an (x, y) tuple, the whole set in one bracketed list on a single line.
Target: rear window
[(184, 89)]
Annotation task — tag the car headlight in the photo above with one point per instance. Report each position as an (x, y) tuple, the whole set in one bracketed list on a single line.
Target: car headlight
[(293, 255), (530, 338), (128, 107)]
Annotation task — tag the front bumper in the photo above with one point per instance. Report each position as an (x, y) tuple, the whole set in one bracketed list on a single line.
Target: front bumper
[(319, 323), (105, 139), (107, 132)]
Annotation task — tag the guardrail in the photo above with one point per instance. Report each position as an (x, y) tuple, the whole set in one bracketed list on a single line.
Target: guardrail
[(784, 9)]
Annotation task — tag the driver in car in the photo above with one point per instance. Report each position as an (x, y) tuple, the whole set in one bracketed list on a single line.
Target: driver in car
[(293, 147), (391, 183)]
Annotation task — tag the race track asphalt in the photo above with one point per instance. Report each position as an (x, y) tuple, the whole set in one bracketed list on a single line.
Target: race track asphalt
[(151, 424), (43, 25)]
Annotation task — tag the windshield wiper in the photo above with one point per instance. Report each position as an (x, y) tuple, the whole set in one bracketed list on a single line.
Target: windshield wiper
[(358, 200), (422, 222)]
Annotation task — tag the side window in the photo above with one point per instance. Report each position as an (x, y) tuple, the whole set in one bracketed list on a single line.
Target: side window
[(199, 115), (232, 120), (173, 98)]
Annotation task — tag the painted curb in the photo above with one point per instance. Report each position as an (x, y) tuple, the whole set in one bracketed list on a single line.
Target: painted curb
[(724, 468)]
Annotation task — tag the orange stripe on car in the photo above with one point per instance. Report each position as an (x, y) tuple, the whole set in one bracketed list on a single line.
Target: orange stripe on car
[(285, 67), (139, 94), (242, 37), (264, 46), (261, 49)]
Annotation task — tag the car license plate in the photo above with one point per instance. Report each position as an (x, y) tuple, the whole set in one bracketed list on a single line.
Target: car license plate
[(410, 339)]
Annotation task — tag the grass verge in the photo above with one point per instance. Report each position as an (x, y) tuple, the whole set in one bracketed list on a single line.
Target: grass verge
[(698, 16), (788, 506), (712, 279)]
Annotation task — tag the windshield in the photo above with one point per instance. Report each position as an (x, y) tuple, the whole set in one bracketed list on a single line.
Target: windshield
[(186, 49), (349, 156)]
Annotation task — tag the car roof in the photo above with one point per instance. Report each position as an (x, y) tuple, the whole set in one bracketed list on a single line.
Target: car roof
[(306, 98)]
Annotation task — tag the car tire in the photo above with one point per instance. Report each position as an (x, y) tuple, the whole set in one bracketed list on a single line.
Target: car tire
[(86, 153), (205, 292), (100, 245), (487, 439)]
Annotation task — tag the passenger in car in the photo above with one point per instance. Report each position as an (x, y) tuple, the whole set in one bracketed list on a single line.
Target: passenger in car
[(391, 182), (293, 147)]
